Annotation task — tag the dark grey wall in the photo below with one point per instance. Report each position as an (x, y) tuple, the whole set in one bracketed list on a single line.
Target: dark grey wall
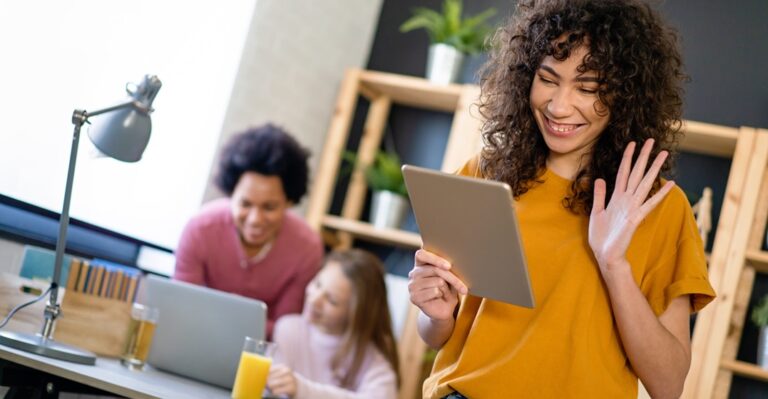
[(726, 53), (724, 42), (725, 48)]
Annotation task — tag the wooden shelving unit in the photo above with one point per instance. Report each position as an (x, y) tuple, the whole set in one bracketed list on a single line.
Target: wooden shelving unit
[(735, 262), (743, 145), (383, 90)]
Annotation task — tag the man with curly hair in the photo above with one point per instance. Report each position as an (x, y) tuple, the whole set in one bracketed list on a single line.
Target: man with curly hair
[(617, 266), (249, 243)]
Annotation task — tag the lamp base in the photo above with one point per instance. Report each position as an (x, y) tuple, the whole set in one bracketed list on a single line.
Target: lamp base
[(35, 343)]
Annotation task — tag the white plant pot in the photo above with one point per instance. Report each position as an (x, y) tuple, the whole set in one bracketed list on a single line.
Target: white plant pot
[(388, 209), (762, 348), (443, 63)]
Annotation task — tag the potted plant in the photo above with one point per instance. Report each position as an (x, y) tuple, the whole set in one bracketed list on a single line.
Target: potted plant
[(760, 318), (389, 204), (451, 37)]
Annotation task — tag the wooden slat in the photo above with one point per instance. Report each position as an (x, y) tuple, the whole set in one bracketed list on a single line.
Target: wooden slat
[(761, 216), (758, 260), (746, 369), (322, 185), (412, 91), (373, 131), (719, 256), (709, 139), (724, 306), (411, 349), (731, 346), (366, 231), (465, 139)]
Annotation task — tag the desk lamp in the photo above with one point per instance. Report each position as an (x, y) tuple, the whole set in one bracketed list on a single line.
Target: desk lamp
[(121, 133)]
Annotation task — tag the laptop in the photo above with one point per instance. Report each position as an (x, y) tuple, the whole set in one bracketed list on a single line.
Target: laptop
[(201, 331), (472, 223)]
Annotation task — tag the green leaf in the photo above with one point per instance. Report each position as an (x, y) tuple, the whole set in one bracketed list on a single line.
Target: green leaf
[(467, 35), (476, 21), (760, 313), (452, 13)]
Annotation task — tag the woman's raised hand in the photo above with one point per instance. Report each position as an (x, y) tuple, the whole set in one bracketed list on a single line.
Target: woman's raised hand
[(432, 286), (611, 227)]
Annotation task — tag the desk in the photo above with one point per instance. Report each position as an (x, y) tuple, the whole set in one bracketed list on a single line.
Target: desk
[(110, 376)]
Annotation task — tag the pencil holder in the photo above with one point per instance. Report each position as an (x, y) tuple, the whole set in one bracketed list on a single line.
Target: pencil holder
[(97, 324)]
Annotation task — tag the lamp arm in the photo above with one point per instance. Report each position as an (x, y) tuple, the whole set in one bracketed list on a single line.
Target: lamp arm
[(52, 309), (88, 114)]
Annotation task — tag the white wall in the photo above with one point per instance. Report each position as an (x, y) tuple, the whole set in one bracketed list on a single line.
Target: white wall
[(59, 56), (294, 60)]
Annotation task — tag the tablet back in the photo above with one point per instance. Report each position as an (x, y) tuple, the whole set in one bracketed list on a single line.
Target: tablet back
[(472, 223)]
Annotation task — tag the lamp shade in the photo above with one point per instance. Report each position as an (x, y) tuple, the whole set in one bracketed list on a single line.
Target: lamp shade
[(122, 134)]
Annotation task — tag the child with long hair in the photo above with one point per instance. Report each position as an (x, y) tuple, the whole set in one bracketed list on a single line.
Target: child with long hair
[(342, 345)]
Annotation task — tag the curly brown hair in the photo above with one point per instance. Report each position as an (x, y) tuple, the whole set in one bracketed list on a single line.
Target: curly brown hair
[(640, 76)]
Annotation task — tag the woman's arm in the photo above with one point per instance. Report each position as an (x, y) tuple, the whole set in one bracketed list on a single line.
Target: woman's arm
[(657, 347), (435, 290)]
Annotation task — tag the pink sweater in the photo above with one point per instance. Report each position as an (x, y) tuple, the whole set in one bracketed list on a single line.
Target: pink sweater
[(308, 352), (210, 254)]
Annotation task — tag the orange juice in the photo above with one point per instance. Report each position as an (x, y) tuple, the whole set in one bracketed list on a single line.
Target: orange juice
[(140, 333), (251, 376)]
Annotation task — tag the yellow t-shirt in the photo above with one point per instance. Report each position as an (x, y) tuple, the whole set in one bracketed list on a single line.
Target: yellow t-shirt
[(568, 345)]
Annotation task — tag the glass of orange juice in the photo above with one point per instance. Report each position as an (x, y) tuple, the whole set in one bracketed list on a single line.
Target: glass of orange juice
[(140, 333), (252, 371)]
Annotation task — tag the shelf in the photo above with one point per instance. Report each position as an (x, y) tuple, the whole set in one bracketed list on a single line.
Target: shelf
[(745, 369), (412, 91), (758, 259), (704, 138), (366, 231)]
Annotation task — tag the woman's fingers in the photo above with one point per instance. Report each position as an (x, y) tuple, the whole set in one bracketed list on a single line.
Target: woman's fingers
[(428, 264), (649, 205), (421, 272), (424, 257), (598, 198), (638, 170), (641, 193), (430, 294), (626, 164), (431, 285)]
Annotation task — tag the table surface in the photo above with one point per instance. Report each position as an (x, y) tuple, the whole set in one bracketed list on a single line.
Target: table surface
[(109, 375)]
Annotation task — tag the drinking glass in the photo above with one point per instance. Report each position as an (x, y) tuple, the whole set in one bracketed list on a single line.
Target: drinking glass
[(253, 369), (140, 333)]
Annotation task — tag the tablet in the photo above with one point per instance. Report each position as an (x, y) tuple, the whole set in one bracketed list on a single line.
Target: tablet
[(472, 223)]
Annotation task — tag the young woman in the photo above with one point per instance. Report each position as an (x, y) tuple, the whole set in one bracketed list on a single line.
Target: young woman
[(342, 345), (582, 101), (249, 243)]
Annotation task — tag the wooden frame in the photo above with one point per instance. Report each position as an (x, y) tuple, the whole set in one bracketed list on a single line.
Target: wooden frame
[(383, 90), (732, 273)]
